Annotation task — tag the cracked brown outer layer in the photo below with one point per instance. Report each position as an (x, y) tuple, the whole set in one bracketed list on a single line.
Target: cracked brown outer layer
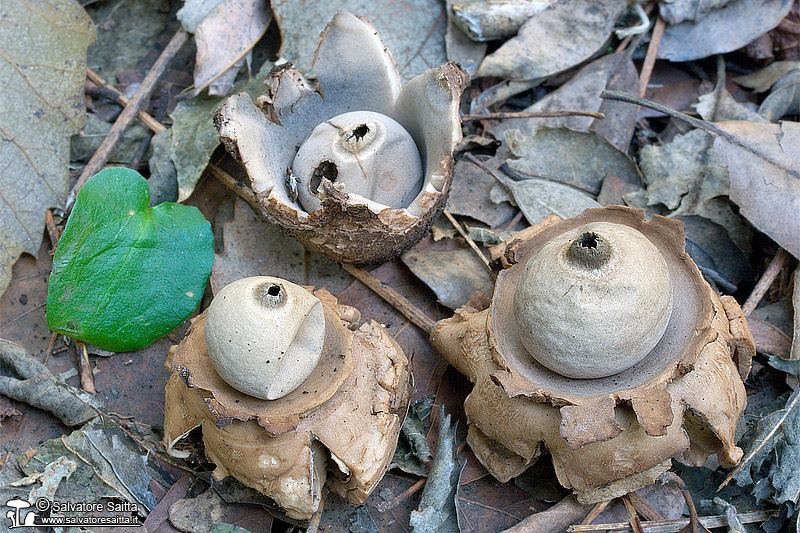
[(606, 436), (265, 136), (343, 432)]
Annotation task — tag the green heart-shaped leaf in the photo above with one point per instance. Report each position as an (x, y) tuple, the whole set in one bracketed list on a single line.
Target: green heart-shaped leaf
[(125, 274)]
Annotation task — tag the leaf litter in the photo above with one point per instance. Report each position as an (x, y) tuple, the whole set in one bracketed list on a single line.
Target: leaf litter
[(703, 203)]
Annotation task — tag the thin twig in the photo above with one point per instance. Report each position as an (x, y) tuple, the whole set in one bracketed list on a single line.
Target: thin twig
[(470, 242), (397, 500), (694, 122), (650, 58), (598, 508), (530, 114), (673, 526), (245, 193), (394, 298), (769, 275), (694, 522), (100, 157), (633, 518), (790, 403), (644, 509), (87, 380), (52, 228), (513, 222), (49, 350), (146, 118)]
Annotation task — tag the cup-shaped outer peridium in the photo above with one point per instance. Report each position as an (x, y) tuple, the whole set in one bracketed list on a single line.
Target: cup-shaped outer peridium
[(265, 335), (593, 301), (355, 72), (688, 330)]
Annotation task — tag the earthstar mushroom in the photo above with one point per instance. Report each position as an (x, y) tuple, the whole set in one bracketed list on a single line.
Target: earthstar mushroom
[(608, 434), (358, 166), (337, 393)]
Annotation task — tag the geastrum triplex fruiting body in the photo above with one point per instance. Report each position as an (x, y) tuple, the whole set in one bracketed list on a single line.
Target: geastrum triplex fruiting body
[(355, 166), (604, 344), (290, 394)]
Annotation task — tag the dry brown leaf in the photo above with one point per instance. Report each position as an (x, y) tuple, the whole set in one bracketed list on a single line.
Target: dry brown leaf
[(763, 161), (6, 409), (223, 37), (768, 338), (556, 39)]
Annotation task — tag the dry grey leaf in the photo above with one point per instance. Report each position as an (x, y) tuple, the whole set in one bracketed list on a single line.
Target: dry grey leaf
[(614, 189), (538, 198), (555, 39), (764, 166), (469, 196), (712, 249), (721, 30), (50, 478), (197, 515), (719, 105), (495, 19), (437, 507), (224, 35), (194, 137), (254, 247), (109, 464), (685, 177), (453, 275), (414, 31), (762, 80), (43, 65), (460, 48), (784, 99), (413, 452), (163, 180), (615, 72), (193, 11), (579, 159), (675, 11), (87, 141)]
